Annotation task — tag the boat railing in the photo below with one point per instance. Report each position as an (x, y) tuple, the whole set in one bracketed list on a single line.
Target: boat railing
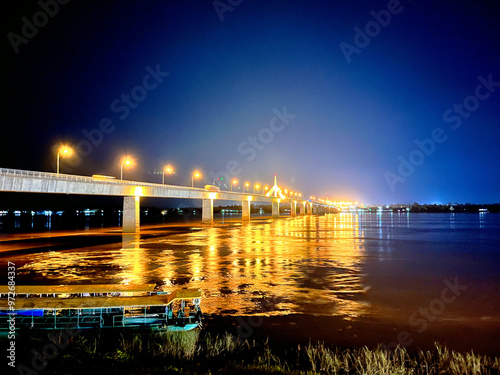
[(100, 321)]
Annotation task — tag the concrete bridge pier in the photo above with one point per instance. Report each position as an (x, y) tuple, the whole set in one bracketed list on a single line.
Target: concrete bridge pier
[(245, 210), (276, 209), (315, 210), (131, 214), (207, 211), (309, 208), (302, 209), (293, 209)]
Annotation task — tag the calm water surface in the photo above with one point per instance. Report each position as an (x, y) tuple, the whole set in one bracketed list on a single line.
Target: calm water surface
[(356, 266)]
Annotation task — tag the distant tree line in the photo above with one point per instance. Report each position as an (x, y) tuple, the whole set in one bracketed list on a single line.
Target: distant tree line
[(445, 208)]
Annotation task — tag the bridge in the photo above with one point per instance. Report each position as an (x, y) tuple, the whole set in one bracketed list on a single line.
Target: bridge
[(15, 180)]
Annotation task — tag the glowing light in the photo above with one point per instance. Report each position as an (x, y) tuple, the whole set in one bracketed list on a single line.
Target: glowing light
[(65, 151), (169, 169), (138, 191), (127, 161), (212, 195)]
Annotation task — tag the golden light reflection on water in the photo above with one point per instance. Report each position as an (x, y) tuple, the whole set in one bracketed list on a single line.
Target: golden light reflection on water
[(301, 265)]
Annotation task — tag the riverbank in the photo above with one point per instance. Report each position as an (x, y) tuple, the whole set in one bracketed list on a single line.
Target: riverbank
[(201, 352)]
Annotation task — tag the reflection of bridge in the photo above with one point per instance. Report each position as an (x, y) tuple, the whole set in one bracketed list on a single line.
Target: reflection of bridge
[(14, 180)]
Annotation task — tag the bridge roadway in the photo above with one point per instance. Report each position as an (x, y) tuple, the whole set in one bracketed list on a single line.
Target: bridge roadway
[(15, 180)]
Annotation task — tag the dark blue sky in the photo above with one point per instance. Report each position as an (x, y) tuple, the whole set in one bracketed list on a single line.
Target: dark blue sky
[(354, 121)]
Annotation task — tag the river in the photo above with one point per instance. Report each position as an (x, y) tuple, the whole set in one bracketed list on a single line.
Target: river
[(358, 276)]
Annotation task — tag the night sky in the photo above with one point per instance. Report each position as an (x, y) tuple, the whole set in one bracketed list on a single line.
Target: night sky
[(374, 101)]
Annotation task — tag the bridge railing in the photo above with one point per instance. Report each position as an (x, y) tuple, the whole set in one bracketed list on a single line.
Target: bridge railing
[(77, 178)]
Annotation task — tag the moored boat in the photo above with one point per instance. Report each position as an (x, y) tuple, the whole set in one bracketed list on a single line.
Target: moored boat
[(99, 306)]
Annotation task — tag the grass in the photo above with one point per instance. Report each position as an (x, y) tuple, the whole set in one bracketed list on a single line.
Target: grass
[(204, 353)]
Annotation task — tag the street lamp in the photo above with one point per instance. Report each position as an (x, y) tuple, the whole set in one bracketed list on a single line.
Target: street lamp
[(247, 184), (256, 187), (234, 182), (266, 188), (127, 161), (195, 174), (64, 151), (168, 169)]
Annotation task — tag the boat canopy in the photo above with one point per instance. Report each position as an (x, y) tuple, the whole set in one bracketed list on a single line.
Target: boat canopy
[(78, 289), (54, 303)]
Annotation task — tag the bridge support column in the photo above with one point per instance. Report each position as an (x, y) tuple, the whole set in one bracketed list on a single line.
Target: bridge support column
[(131, 214), (309, 208), (276, 209), (207, 210), (245, 210), (315, 210), (293, 209), (302, 209)]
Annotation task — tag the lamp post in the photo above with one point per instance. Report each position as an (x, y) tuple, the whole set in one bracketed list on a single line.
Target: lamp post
[(168, 169), (256, 188), (234, 181), (247, 185), (195, 174), (127, 162), (63, 151)]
